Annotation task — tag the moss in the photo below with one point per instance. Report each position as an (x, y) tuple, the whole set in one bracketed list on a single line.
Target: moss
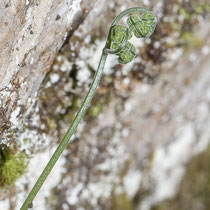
[(95, 110), (190, 39), (200, 7), (185, 13), (120, 202), (75, 102), (51, 123), (87, 206), (25, 140), (12, 165), (98, 103), (176, 26)]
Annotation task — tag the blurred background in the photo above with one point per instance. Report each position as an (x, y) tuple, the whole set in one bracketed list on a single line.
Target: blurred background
[(144, 142)]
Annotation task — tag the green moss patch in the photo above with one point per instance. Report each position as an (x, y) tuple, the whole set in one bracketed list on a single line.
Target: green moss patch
[(12, 165)]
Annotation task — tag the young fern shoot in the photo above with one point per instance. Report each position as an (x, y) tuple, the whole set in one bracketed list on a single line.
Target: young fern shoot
[(141, 23)]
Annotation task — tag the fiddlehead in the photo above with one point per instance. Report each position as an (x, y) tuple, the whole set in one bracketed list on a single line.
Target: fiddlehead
[(117, 43), (142, 27)]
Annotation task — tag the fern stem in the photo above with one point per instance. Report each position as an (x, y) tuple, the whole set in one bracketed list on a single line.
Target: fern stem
[(68, 134)]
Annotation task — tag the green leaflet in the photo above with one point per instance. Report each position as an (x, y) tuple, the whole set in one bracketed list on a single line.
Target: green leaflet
[(144, 26), (118, 33), (127, 54)]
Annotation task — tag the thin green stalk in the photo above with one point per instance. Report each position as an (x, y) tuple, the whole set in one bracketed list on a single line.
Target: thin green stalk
[(125, 51), (68, 134)]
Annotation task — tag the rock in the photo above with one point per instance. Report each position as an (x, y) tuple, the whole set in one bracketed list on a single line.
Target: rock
[(31, 33)]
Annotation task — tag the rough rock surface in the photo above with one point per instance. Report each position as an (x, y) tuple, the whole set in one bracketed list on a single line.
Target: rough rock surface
[(31, 33), (132, 152)]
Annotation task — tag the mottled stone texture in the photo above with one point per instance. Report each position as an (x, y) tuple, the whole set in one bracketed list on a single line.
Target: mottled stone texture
[(31, 33)]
